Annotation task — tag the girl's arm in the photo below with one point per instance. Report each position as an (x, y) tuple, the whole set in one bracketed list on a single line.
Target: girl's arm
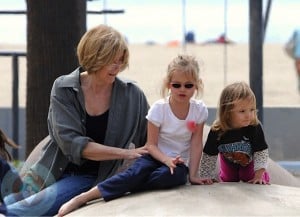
[(260, 164), (261, 159), (195, 156), (152, 147), (208, 165)]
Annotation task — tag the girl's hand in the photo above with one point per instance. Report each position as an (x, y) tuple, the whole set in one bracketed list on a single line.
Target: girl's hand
[(199, 181), (172, 162), (259, 178), (258, 181)]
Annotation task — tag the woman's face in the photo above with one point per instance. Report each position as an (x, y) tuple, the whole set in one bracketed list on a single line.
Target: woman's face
[(242, 113), (182, 87), (109, 72)]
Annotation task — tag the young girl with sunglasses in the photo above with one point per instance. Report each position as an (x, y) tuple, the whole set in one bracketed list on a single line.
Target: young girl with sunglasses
[(238, 138), (174, 141)]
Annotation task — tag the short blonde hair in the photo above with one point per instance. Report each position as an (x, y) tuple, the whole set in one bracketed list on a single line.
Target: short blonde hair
[(229, 96), (99, 47), (186, 64)]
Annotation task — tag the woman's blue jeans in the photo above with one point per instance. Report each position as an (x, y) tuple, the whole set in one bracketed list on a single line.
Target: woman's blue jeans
[(48, 201)]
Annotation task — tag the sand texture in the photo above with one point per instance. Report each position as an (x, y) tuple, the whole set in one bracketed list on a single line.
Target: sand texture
[(219, 66)]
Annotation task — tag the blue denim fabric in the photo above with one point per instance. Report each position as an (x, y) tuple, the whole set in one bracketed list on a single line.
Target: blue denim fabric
[(146, 173), (3, 209), (4, 168), (48, 201)]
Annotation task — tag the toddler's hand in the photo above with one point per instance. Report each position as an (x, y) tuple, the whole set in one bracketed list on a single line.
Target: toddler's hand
[(260, 177)]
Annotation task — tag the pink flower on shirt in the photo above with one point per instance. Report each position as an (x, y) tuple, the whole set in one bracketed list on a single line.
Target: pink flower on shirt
[(191, 125)]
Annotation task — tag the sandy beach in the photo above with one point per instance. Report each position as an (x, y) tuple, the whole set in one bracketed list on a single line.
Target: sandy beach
[(148, 65)]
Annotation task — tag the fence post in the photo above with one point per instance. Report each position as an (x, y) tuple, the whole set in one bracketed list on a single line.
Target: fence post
[(15, 103)]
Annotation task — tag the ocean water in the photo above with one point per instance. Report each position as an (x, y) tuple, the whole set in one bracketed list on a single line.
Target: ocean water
[(163, 21)]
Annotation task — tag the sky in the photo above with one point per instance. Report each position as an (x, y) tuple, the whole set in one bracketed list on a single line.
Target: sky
[(161, 21)]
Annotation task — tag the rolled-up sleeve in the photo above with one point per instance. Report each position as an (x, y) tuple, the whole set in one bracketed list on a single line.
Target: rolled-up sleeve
[(66, 121)]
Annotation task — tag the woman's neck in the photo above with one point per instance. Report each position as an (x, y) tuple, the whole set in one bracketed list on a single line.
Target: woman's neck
[(96, 85), (96, 93)]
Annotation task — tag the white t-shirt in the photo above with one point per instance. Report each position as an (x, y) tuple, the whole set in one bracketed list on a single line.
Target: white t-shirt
[(174, 136)]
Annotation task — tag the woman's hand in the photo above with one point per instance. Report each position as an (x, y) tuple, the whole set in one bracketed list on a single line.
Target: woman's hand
[(135, 153)]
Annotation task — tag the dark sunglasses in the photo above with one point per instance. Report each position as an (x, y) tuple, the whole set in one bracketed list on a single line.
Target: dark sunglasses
[(187, 86)]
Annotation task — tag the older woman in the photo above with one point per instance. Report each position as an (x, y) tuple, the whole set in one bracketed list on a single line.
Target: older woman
[(93, 117)]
